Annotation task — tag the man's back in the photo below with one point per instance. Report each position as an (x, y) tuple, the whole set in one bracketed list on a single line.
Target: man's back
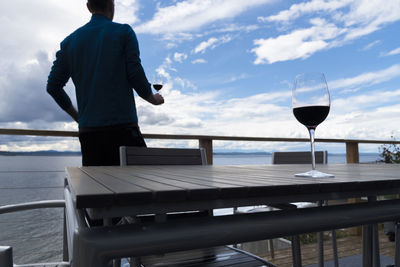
[(101, 58)]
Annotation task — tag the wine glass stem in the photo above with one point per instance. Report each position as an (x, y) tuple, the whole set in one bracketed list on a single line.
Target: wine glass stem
[(312, 133)]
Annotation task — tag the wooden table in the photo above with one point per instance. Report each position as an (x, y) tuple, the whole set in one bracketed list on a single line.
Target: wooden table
[(106, 192)]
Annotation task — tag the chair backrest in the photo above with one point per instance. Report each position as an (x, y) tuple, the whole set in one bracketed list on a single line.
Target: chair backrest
[(299, 157), (130, 155)]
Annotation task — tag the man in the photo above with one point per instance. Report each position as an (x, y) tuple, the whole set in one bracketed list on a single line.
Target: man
[(102, 58)]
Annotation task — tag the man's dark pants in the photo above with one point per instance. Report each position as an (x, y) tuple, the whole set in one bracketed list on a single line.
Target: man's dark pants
[(101, 147)]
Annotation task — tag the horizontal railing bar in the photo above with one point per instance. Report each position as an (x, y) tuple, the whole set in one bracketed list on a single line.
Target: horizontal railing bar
[(32, 205), (175, 235), (266, 139), (39, 132), (54, 133)]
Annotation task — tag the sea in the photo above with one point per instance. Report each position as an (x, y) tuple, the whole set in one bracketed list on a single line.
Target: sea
[(36, 235)]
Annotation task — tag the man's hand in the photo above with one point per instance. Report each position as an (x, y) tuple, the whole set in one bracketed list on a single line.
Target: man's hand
[(156, 99), (159, 99)]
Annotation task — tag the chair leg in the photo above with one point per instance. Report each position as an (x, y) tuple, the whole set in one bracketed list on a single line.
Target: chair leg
[(271, 241), (135, 262), (321, 245), (376, 258), (367, 245), (397, 244), (376, 261), (271, 248), (334, 247), (116, 262), (65, 239), (6, 257), (296, 251), (320, 238)]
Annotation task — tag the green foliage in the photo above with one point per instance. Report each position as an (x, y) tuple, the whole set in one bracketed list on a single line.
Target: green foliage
[(390, 153)]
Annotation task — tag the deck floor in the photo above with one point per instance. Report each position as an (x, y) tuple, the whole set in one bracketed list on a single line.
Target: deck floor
[(347, 246)]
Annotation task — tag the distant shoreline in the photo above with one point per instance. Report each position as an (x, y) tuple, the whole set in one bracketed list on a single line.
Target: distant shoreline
[(41, 153)]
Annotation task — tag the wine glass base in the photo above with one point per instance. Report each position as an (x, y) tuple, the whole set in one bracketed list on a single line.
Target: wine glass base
[(315, 174)]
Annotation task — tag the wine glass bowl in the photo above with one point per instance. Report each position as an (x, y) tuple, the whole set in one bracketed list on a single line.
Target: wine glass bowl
[(158, 82), (157, 86), (311, 105), (311, 116)]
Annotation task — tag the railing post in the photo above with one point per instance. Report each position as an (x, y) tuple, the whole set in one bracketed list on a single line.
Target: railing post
[(6, 258), (208, 146), (352, 155)]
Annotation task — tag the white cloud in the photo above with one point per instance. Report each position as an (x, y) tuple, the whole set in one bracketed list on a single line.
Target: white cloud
[(204, 45), (23, 96), (393, 52), (211, 43), (298, 10), (371, 45), (211, 115), (367, 101), (23, 22), (171, 80), (357, 116), (236, 28), (268, 114), (367, 79), (18, 19), (347, 19), (192, 15), (371, 12), (31, 36), (199, 61), (179, 57), (350, 117), (236, 78), (184, 84), (299, 44), (126, 11)]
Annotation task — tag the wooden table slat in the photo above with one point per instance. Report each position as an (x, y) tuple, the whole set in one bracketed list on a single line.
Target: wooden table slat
[(194, 177), (193, 190), (87, 191), (160, 191)]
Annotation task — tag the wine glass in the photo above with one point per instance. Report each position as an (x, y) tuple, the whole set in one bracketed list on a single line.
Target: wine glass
[(158, 82), (311, 104)]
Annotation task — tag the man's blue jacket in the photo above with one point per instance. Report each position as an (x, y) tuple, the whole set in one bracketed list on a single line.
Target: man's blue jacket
[(103, 60)]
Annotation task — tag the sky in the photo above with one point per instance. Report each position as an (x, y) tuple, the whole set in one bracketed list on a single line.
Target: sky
[(228, 68)]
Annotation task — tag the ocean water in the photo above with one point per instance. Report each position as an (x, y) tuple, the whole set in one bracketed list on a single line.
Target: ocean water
[(251, 159), (36, 236)]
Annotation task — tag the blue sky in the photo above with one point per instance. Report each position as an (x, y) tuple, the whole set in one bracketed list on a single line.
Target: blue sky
[(228, 65)]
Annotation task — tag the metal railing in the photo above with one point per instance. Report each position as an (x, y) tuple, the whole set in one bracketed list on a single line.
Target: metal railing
[(206, 141), (6, 255)]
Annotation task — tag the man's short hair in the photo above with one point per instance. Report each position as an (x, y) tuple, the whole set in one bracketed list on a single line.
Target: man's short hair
[(99, 4)]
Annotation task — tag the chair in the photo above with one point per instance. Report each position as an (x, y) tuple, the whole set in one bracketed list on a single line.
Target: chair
[(304, 157), (6, 255), (216, 256), (299, 157), (161, 156)]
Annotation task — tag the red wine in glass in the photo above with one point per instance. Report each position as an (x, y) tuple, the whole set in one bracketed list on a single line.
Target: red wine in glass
[(311, 116), (311, 105), (157, 86)]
